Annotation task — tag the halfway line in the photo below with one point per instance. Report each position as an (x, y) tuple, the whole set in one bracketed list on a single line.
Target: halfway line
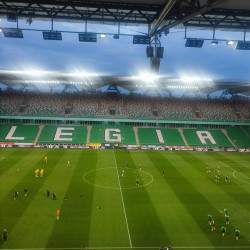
[(122, 201)]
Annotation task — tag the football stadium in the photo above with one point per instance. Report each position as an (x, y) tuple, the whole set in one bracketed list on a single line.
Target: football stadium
[(144, 160)]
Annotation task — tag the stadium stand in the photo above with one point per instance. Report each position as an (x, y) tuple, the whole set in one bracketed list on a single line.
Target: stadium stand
[(238, 137), (109, 103), (9, 103), (139, 107), (44, 105), (194, 141), (130, 107), (175, 109), (171, 137), (217, 110), (127, 134), (79, 135), (85, 106), (27, 132)]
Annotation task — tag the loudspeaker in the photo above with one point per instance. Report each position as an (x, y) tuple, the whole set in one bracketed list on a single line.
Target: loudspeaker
[(149, 51), (159, 52)]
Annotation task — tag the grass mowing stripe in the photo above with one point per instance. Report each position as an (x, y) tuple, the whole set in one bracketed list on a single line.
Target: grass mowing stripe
[(13, 210), (172, 213), (8, 156), (196, 204), (218, 192), (241, 196), (144, 223), (75, 204), (12, 160), (40, 216), (108, 227), (122, 201)]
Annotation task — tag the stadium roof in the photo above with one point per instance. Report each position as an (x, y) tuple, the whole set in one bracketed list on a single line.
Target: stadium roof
[(159, 15), (130, 83)]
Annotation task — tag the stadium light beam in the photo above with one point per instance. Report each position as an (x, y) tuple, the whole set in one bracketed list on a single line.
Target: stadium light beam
[(147, 78), (230, 42), (102, 35), (214, 43)]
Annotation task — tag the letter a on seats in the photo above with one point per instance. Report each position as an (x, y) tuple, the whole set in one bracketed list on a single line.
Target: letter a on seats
[(205, 135), (10, 134), (116, 136)]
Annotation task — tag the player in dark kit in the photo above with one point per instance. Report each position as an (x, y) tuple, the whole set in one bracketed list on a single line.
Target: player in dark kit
[(237, 233), (25, 192), (54, 196), (223, 230), (213, 226), (137, 182), (48, 192), (5, 235), (210, 219), (16, 194)]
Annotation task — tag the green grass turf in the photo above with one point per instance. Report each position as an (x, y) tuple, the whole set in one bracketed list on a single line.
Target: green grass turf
[(165, 209)]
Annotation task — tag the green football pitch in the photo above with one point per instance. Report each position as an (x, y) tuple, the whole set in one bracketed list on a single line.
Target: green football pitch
[(102, 209)]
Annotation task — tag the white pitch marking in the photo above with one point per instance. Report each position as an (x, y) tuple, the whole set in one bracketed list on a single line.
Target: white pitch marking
[(96, 185), (122, 201), (239, 178), (234, 171)]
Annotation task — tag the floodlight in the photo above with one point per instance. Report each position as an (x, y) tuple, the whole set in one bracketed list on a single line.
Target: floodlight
[(102, 35), (12, 33), (87, 37), (52, 35), (243, 45), (214, 43), (194, 43), (146, 77), (159, 52), (11, 17), (141, 39), (150, 51), (116, 37), (0, 30), (230, 42)]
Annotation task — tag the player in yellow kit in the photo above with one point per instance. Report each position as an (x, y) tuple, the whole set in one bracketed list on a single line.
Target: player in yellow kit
[(45, 159), (68, 163), (36, 173), (41, 173)]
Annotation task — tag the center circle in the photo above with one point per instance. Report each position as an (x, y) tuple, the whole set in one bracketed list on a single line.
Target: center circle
[(107, 178)]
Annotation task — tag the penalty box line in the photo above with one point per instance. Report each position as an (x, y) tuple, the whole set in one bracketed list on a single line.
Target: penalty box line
[(122, 201)]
